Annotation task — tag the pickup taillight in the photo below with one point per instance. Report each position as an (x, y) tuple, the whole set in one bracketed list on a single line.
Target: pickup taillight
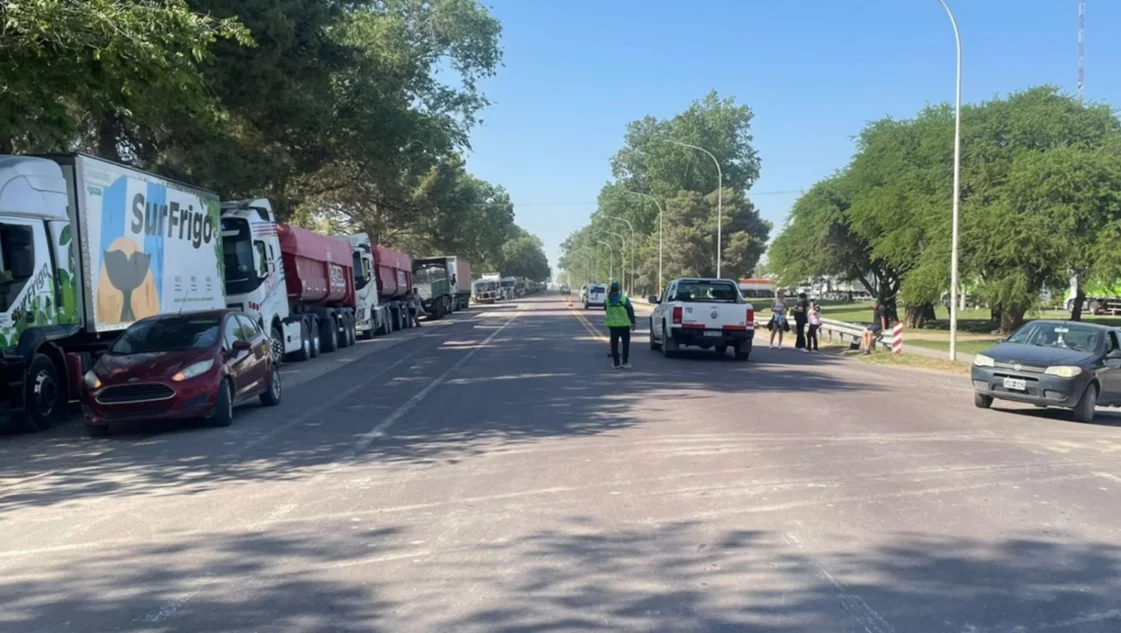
[(677, 315), (750, 322)]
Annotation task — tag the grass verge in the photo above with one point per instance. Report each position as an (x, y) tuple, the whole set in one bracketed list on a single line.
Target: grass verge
[(913, 361)]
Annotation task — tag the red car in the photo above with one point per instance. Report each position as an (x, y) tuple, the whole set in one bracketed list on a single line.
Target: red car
[(199, 364)]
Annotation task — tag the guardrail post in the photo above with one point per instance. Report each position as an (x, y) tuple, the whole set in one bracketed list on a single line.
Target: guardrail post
[(897, 338)]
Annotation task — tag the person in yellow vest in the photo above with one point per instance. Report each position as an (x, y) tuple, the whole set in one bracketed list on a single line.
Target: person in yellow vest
[(619, 317)]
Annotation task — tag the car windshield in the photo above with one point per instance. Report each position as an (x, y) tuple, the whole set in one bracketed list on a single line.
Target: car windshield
[(707, 292), (168, 335), (1062, 335)]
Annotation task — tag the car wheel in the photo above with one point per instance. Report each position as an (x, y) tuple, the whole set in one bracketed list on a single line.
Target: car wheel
[(97, 430), (1084, 410), (981, 401), (654, 344), (271, 396), (277, 342), (304, 353), (328, 335), (224, 409), (43, 394), (721, 350)]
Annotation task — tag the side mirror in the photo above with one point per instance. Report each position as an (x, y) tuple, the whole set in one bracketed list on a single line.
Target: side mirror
[(242, 346), (653, 299)]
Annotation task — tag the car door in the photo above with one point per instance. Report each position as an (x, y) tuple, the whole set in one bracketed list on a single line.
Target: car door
[(1110, 373), (238, 362), (258, 357), (658, 319)]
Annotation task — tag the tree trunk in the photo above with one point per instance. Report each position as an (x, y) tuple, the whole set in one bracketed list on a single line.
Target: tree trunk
[(917, 316), (1011, 318), (108, 137), (7, 146), (1079, 300)]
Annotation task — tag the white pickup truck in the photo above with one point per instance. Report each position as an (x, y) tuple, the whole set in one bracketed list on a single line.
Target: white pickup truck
[(704, 313)]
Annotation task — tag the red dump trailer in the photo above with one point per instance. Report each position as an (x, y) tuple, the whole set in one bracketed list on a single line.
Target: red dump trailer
[(394, 274), (319, 277)]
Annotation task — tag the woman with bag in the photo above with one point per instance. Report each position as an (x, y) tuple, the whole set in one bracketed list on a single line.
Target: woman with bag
[(778, 324)]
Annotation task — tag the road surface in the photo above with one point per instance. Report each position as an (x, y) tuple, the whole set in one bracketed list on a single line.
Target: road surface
[(491, 473)]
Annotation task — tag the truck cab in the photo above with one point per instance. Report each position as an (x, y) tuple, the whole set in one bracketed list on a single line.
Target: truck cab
[(370, 317), (255, 281)]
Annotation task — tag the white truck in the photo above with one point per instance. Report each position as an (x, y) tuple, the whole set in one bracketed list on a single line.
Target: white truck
[(705, 313), (87, 247), (371, 318)]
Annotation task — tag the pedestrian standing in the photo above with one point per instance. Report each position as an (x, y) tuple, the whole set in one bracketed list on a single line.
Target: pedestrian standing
[(801, 316), (778, 323), (415, 308), (814, 320), (619, 318)]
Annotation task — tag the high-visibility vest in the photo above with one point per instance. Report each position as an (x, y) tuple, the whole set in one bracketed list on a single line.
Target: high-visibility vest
[(616, 312)]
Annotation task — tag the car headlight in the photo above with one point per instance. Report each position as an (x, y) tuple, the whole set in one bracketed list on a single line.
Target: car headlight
[(981, 360), (1063, 371), (194, 369), (91, 380)]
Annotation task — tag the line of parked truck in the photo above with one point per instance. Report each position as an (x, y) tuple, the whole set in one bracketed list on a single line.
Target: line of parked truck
[(494, 287), (88, 247)]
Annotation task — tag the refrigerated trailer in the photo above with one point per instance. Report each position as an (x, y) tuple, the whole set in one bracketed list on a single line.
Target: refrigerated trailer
[(88, 247)]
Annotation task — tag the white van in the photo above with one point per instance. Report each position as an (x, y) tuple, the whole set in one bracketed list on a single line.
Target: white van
[(596, 296)]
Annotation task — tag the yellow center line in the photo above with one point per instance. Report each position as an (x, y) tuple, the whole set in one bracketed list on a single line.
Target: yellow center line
[(588, 326)]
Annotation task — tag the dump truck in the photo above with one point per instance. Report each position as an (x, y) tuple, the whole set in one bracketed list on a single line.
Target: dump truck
[(371, 315), (319, 276), (432, 282), (88, 247), (394, 273)]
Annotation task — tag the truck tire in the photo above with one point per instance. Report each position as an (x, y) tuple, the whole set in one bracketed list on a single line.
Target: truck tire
[(351, 332), (654, 344), (343, 332), (277, 340), (721, 350), (44, 395), (313, 333), (743, 351), (304, 353), (669, 348), (328, 335)]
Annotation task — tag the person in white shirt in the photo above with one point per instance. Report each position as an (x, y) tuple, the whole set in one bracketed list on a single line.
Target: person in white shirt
[(815, 325), (778, 323)]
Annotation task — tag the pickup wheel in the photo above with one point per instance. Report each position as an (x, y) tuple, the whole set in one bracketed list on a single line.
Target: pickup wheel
[(743, 351), (721, 351), (654, 344), (328, 335), (669, 347)]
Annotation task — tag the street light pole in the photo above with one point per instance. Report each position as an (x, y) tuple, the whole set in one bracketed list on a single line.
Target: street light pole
[(719, 200), (957, 193), (622, 259), (660, 211), (634, 243)]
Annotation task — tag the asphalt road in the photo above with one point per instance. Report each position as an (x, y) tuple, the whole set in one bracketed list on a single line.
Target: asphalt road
[(493, 474)]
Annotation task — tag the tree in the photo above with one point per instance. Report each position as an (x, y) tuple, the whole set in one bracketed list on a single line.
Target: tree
[(524, 256)]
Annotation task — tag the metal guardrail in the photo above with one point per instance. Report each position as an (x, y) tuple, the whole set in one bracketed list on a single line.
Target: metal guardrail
[(843, 330)]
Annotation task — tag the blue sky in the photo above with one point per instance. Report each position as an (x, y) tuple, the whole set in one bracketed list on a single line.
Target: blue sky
[(814, 72)]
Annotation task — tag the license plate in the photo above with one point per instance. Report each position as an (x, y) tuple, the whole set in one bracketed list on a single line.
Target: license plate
[(713, 333), (1016, 384)]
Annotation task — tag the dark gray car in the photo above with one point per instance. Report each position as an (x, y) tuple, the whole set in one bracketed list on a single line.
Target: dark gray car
[(1063, 364)]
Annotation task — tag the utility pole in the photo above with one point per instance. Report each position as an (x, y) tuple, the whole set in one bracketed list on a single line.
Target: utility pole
[(1081, 49)]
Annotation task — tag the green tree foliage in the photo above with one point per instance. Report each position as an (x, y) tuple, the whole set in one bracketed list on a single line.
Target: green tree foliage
[(1039, 180), (524, 256), (685, 182)]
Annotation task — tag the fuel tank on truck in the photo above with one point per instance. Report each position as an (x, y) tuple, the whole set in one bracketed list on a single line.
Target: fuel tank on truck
[(318, 269), (394, 272)]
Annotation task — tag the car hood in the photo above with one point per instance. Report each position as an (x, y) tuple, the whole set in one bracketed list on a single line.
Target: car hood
[(1036, 355), (114, 368)]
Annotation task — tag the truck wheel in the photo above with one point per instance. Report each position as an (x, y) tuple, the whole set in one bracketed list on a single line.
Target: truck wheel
[(352, 331), (669, 348), (304, 353), (277, 344), (1084, 411), (343, 335), (654, 344), (328, 335), (43, 394), (224, 410), (743, 351), (721, 350), (313, 333)]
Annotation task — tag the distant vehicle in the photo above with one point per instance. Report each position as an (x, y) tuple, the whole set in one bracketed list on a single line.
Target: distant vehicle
[(595, 295), (510, 287), (705, 313), (564, 290), (199, 364), (757, 288), (485, 291), (1062, 364)]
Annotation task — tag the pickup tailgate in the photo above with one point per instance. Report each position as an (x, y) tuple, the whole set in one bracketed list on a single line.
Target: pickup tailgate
[(716, 316)]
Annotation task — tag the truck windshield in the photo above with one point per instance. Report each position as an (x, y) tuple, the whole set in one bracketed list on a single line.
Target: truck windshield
[(245, 263), (168, 335), (360, 277), (707, 292), (428, 274)]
